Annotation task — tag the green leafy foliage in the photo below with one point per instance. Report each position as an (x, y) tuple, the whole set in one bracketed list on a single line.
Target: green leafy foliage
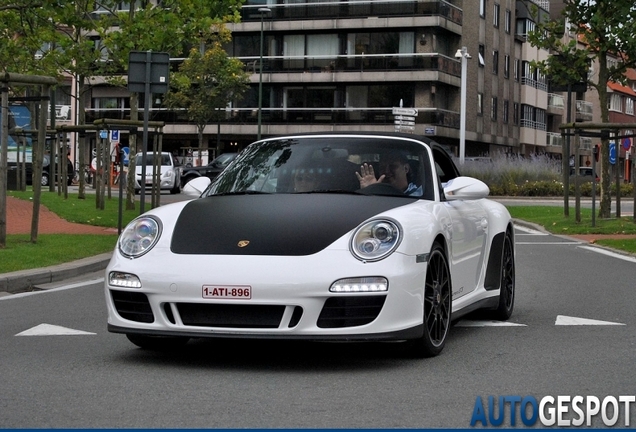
[(601, 29)]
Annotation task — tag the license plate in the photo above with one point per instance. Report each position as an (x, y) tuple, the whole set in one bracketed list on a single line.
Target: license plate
[(232, 292)]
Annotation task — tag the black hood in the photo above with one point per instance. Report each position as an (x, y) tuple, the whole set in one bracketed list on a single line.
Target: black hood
[(273, 224)]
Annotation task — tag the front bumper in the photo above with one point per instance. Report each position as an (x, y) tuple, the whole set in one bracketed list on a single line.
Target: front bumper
[(290, 297)]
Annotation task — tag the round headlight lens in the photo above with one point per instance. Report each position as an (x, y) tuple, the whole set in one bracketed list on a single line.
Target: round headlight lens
[(376, 240), (139, 236)]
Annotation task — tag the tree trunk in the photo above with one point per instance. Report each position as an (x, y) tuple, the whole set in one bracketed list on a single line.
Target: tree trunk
[(605, 207), (37, 158), (81, 145), (132, 151)]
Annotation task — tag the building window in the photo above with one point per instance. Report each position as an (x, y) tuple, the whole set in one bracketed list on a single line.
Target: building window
[(482, 8), (505, 111), (507, 21), (629, 106), (495, 62), (507, 66), (480, 104), (482, 51), (517, 72), (515, 113), (616, 103), (495, 15), (493, 109)]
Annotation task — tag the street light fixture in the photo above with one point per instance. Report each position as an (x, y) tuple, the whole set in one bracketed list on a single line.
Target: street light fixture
[(262, 11), (464, 56)]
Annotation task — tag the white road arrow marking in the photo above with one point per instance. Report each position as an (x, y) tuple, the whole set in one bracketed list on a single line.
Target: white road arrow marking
[(52, 330), (574, 321), (468, 323)]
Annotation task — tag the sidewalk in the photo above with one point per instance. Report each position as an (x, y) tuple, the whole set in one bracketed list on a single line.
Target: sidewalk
[(19, 215)]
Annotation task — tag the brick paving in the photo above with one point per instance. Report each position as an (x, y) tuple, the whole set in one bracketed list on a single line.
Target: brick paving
[(19, 222), (19, 215)]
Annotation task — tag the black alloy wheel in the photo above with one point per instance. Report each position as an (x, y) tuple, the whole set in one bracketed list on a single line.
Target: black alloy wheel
[(507, 284), (437, 306)]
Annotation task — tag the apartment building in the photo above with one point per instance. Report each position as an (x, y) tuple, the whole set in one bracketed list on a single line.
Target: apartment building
[(333, 65)]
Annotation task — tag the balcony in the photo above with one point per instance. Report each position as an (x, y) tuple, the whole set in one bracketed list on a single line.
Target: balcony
[(584, 111), (554, 139), (353, 9), (556, 104), (300, 116), (355, 63)]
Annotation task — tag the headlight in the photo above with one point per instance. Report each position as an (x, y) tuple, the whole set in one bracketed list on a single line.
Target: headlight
[(376, 240), (139, 236)]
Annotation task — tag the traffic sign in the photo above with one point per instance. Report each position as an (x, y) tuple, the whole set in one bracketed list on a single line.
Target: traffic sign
[(627, 143), (114, 136), (612, 152), (404, 122), (405, 111)]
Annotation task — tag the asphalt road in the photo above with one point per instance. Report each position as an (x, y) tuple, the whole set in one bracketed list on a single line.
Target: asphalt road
[(93, 379)]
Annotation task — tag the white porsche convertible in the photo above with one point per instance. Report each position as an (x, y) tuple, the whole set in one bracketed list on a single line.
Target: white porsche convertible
[(326, 237)]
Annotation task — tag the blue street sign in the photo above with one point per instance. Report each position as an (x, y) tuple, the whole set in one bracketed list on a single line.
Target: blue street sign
[(126, 152), (612, 152), (103, 134), (114, 136)]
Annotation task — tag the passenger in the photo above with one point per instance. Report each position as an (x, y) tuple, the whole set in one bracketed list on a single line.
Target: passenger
[(305, 180), (395, 170)]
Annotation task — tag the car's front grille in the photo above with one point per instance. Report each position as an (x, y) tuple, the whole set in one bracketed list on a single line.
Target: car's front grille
[(132, 306), (236, 316), (352, 311)]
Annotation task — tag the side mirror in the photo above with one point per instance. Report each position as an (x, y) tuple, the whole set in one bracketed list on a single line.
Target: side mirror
[(465, 188), (195, 187)]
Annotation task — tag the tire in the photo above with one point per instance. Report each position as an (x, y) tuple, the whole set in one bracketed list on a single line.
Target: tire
[(437, 306), (45, 179), (507, 284), (157, 343), (187, 179), (176, 189)]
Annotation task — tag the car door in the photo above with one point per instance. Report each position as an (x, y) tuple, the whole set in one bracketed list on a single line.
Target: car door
[(467, 228)]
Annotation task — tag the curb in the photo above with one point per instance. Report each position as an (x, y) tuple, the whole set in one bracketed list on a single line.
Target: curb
[(27, 280)]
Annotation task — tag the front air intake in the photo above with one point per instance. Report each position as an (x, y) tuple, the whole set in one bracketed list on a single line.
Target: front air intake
[(352, 311)]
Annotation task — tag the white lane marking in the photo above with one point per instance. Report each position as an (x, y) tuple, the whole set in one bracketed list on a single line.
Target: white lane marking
[(610, 253), (574, 321), (469, 323), (52, 330), (530, 231), (550, 243), (60, 288)]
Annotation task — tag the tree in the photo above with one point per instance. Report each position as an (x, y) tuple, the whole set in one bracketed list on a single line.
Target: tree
[(206, 82), (606, 29), (173, 27)]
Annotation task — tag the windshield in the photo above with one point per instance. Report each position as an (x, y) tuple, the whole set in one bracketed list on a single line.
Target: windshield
[(165, 159), (329, 164)]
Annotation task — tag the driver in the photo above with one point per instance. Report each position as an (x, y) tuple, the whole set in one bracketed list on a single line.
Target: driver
[(394, 169)]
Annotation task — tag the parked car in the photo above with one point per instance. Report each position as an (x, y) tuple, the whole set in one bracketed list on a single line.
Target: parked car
[(585, 174), (47, 174), (329, 237), (211, 170), (169, 173)]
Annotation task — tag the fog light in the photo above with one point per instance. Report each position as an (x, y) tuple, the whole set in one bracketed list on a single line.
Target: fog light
[(364, 284), (125, 280)]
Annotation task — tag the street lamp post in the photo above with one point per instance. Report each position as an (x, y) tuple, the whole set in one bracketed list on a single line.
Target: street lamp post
[(262, 11), (464, 56)]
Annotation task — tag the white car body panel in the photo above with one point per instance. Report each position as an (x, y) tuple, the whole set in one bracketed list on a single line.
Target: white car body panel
[(458, 220)]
